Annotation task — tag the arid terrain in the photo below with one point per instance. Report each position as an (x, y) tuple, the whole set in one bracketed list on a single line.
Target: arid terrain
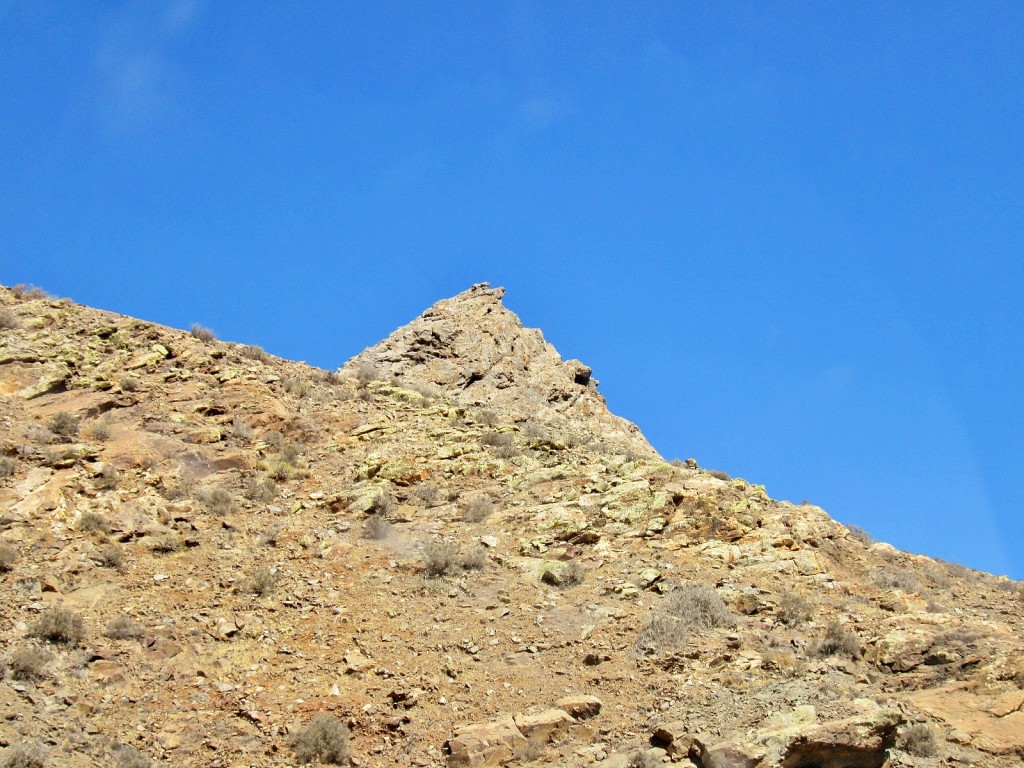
[(447, 552)]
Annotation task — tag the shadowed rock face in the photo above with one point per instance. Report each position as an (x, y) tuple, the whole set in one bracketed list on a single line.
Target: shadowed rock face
[(478, 352)]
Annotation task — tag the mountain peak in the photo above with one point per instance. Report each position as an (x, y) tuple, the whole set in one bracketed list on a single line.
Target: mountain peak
[(480, 354)]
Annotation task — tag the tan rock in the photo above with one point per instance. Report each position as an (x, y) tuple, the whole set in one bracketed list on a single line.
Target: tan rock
[(485, 744)]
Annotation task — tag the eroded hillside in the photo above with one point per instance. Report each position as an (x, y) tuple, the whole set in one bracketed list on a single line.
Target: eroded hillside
[(206, 547)]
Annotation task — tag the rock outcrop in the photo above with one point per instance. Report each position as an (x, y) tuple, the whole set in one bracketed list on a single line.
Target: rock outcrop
[(478, 353)]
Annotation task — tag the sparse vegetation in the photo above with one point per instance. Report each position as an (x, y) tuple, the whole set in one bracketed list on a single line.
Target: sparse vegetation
[(100, 430), (260, 581), (8, 320), (23, 291), (686, 610), (897, 578), (167, 543), (24, 756), (474, 560), (64, 427), (8, 555), (383, 505), (838, 641), (563, 575), (918, 739), (28, 664), (129, 384), (130, 757), (90, 522), (260, 488), (476, 509), (376, 527), (717, 473), (860, 535), (497, 440), (439, 559), (254, 352), (425, 494), (794, 609), (202, 333), (535, 430), (110, 556), (7, 466), (217, 500), (365, 374), (123, 628), (270, 536), (324, 738), (59, 626)]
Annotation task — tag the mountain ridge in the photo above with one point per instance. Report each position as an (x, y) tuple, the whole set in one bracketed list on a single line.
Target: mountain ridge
[(205, 548)]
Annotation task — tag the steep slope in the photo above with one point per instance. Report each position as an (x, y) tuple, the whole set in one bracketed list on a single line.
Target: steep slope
[(479, 354), (457, 566)]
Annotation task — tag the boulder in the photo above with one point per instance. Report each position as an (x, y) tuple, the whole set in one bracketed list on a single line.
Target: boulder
[(485, 743)]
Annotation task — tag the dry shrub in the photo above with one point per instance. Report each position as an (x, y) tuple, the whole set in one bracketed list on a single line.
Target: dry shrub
[(90, 522), (717, 473), (123, 628), (918, 739), (296, 387), (130, 757), (498, 440), (7, 466), (167, 543), (261, 582), (365, 374), (477, 509), (29, 663), (897, 578), (202, 333), (860, 535), (794, 609), (24, 756), (217, 500), (425, 494), (324, 738), (440, 558), (270, 536), (474, 560), (7, 557), (64, 426), (110, 556), (376, 527), (100, 430), (535, 430), (260, 489), (23, 291), (838, 641), (487, 417), (564, 575), (254, 352), (59, 625), (686, 610), (8, 320), (129, 384), (383, 504), (108, 477)]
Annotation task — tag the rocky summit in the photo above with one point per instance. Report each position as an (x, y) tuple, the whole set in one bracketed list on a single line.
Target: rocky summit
[(446, 553)]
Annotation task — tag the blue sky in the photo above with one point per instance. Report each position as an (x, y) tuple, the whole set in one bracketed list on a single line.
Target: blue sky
[(788, 237)]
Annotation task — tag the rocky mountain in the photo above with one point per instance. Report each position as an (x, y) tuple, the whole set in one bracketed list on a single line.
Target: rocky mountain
[(447, 553)]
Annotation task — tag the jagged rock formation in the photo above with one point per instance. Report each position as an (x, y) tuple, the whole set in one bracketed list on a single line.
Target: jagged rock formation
[(205, 549), (479, 354)]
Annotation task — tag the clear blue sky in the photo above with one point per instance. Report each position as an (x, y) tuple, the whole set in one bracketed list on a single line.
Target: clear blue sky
[(788, 237)]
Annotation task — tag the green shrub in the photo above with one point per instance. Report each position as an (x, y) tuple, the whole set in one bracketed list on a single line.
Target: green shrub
[(59, 625), (324, 738)]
